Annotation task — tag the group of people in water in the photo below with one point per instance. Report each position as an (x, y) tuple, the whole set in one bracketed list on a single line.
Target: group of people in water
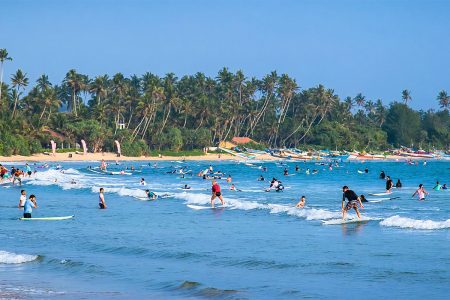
[(350, 200)]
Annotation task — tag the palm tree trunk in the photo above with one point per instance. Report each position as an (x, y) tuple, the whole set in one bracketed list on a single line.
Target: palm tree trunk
[(1, 81), (16, 99), (42, 114)]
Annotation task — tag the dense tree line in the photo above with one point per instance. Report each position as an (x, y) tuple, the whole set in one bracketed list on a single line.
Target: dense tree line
[(194, 111)]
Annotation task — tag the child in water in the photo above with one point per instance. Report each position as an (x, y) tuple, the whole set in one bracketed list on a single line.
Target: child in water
[(301, 203)]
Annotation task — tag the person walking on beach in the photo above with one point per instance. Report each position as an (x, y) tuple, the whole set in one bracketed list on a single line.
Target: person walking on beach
[(101, 199), (28, 206), (22, 199), (216, 193), (421, 192), (353, 201)]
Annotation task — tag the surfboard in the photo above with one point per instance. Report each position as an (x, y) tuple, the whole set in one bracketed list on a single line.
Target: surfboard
[(361, 172), (380, 194), (47, 218), (340, 221), (198, 207)]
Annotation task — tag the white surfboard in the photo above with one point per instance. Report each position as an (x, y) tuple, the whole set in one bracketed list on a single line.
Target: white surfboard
[(47, 218), (380, 194), (198, 207), (347, 221)]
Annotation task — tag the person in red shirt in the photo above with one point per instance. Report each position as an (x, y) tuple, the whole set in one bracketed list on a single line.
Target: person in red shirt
[(216, 193)]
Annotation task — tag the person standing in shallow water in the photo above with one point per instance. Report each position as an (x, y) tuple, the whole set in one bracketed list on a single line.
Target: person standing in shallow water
[(216, 193), (101, 199)]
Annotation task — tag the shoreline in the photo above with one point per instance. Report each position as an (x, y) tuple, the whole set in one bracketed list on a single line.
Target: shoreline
[(64, 157)]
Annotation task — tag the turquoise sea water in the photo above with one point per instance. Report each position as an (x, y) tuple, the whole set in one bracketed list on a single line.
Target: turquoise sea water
[(258, 247)]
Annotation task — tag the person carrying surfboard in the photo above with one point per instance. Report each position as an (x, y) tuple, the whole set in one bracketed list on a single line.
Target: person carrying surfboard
[(216, 193), (353, 201), (28, 206)]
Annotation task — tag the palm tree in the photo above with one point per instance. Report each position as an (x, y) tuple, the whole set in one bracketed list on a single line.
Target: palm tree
[(43, 83), (360, 100), (443, 99), (406, 96), (99, 87), (74, 81), (3, 57), (19, 81)]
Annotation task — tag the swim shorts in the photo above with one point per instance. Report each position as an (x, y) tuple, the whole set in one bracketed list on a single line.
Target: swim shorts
[(351, 204), (27, 215), (218, 194), (101, 206)]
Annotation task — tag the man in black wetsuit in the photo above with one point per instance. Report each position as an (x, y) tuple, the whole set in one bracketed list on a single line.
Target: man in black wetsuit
[(353, 201)]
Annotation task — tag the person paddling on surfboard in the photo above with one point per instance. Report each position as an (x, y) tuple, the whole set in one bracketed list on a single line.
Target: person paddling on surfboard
[(353, 201), (28, 206), (101, 199), (216, 193)]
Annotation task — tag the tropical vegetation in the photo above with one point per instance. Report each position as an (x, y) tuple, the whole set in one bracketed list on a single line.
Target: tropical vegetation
[(148, 112)]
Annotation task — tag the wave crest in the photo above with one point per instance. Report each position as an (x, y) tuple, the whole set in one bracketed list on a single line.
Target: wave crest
[(402, 222), (13, 258)]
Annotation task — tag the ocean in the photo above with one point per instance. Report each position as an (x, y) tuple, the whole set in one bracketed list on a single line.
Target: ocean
[(258, 246)]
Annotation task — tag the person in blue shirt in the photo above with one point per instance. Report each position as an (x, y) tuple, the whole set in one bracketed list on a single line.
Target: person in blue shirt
[(29, 205)]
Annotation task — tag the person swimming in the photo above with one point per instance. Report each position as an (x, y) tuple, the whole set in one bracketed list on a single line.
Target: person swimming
[(366, 170), (285, 172), (142, 182), (229, 178), (382, 175), (186, 187), (297, 168), (444, 186), (233, 188), (261, 178), (363, 198), (398, 184), (307, 171)]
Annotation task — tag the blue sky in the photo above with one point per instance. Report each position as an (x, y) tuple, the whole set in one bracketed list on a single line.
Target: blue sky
[(377, 48)]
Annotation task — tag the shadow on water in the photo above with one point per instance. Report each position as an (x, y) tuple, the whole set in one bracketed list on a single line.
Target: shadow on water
[(353, 228), (196, 289)]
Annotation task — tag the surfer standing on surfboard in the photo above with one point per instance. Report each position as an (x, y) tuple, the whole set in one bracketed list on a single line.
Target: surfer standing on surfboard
[(353, 201), (216, 193)]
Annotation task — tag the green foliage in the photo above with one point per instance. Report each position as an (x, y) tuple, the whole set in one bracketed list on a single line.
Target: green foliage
[(197, 111), (136, 148), (253, 145), (402, 125)]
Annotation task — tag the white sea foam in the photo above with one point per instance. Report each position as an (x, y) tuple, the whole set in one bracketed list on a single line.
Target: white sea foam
[(13, 258), (402, 222), (122, 191), (306, 213)]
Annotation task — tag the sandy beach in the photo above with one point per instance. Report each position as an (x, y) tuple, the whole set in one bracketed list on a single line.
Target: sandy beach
[(62, 157)]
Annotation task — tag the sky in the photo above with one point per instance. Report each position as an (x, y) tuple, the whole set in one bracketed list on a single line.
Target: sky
[(377, 48)]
